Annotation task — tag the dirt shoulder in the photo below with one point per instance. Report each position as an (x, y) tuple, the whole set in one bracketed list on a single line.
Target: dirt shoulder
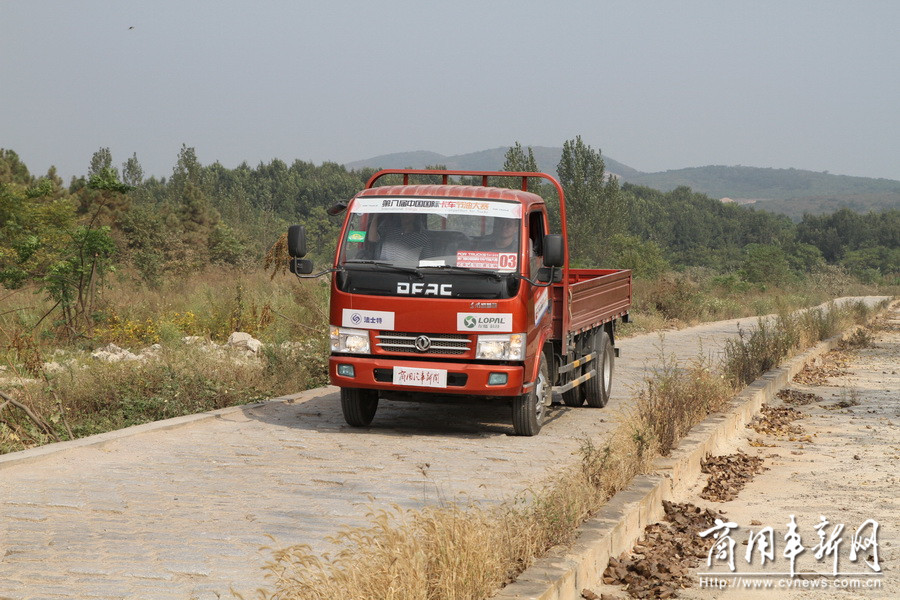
[(843, 464), (839, 460)]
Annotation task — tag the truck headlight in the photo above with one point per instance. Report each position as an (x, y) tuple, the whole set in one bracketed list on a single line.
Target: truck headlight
[(508, 346), (355, 341)]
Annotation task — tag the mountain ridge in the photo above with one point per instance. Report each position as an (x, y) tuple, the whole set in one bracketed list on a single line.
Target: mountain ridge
[(787, 191)]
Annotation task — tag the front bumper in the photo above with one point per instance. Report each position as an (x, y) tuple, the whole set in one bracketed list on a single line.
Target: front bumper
[(462, 378)]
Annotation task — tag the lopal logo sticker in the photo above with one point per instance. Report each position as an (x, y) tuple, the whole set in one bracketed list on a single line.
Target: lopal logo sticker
[(367, 319), (484, 322), (356, 236)]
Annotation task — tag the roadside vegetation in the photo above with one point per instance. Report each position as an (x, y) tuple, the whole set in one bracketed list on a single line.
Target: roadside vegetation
[(157, 266), (167, 269), (457, 552)]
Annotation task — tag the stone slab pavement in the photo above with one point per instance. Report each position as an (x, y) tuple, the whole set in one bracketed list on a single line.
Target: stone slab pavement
[(164, 512)]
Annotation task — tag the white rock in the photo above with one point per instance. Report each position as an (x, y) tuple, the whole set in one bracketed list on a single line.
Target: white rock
[(151, 351), (104, 356), (112, 353), (238, 337), (244, 341)]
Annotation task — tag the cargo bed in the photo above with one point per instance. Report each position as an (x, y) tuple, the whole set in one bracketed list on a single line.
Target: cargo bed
[(596, 296)]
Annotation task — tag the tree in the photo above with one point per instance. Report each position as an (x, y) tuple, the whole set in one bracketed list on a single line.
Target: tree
[(765, 264), (187, 170), (101, 161), (517, 160), (644, 258), (34, 222), (74, 278), (13, 170), (594, 203), (132, 173), (104, 199), (872, 262)]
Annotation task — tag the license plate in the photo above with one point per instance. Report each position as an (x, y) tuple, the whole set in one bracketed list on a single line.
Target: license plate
[(436, 378)]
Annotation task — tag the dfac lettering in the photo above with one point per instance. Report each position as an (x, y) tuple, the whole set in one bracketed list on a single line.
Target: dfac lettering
[(425, 289)]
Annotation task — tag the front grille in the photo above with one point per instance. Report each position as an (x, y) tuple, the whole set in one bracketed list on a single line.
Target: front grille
[(441, 343), (453, 379)]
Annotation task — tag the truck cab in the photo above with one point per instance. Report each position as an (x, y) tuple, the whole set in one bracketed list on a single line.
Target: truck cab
[(445, 290)]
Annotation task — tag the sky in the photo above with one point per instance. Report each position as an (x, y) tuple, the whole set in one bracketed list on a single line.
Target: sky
[(655, 85)]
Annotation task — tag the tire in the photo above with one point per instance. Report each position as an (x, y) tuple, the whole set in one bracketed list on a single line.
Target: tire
[(529, 410), (358, 406), (575, 396), (598, 388)]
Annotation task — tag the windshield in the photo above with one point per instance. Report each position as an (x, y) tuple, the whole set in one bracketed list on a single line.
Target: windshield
[(422, 233)]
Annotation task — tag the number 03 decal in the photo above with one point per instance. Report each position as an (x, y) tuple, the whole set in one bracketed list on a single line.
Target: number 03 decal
[(509, 261)]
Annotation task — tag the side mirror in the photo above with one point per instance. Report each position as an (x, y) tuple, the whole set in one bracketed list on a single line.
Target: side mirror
[(296, 241), (336, 209), (554, 254), (300, 266)]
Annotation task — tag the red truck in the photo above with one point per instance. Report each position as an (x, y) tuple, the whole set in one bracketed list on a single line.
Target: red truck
[(441, 290)]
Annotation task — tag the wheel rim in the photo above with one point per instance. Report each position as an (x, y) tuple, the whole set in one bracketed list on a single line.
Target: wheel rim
[(607, 370), (539, 393)]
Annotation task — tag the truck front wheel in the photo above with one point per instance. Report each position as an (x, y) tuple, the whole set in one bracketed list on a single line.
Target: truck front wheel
[(358, 406), (530, 409)]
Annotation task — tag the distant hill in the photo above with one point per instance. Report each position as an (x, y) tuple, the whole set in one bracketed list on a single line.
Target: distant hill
[(487, 160), (787, 191)]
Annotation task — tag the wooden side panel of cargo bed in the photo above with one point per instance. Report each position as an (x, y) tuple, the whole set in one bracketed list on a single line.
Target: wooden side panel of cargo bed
[(597, 296)]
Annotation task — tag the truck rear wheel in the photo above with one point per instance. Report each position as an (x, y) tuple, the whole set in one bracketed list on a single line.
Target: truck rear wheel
[(529, 410), (574, 397), (358, 406), (597, 388)]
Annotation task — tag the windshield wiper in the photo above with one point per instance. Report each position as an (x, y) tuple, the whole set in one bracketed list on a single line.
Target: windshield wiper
[(381, 263), (495, 275)]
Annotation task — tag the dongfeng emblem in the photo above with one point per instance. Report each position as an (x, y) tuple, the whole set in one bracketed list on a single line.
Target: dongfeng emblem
[(423, 343)]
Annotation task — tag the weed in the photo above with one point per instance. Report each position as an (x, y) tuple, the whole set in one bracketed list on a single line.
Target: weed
[(177, 380), (754, 353), (470, 551), (674, 399), (860, 338)]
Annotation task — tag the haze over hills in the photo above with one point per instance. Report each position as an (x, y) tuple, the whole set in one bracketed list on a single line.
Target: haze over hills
[(486, 160), (788, 191)]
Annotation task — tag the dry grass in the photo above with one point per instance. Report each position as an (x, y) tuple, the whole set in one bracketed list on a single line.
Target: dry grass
[(464, 552), (86, 397), (73, 396), (458, 552), (675, 399), (210, 304), (681, 299), (468, 552), (754, 353), (437, 553), (451, 552)]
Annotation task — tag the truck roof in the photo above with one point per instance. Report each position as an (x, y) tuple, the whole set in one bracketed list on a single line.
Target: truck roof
[(454, 191)]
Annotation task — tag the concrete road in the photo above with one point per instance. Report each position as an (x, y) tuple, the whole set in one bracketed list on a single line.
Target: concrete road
[(183, 512)]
